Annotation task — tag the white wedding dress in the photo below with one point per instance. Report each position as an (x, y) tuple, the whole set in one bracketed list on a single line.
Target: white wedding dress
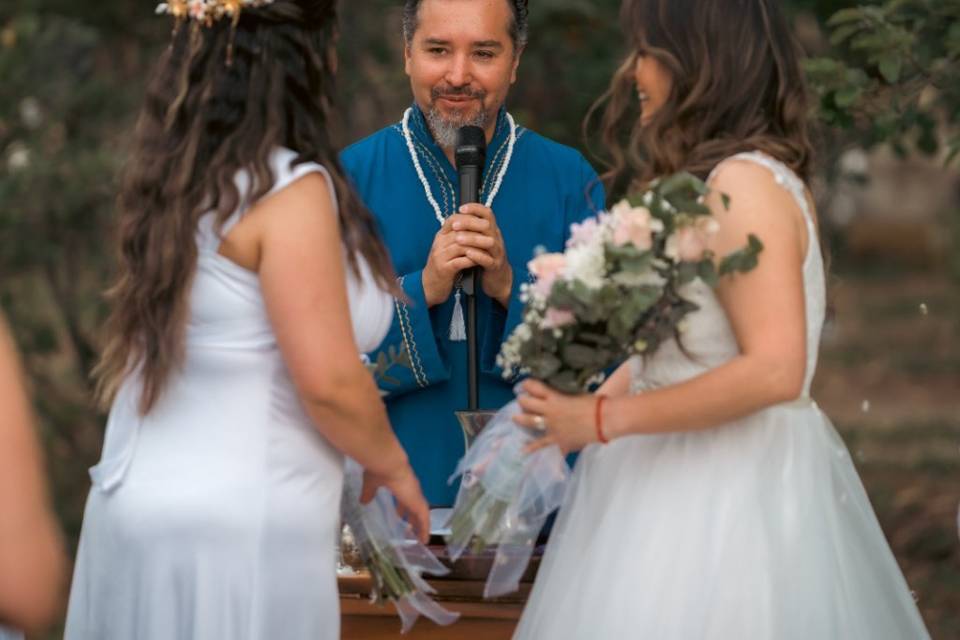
[(759, 529), (216, 516)]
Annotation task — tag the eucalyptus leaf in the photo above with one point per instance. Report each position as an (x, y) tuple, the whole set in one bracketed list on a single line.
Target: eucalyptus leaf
[(707, 272), (743, 260), (578, 356), (687, 272)]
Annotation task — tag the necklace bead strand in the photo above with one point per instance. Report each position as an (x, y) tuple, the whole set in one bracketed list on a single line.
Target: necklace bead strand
[(416, 165), (495, 189)]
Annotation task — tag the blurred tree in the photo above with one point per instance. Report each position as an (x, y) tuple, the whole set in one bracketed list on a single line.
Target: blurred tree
[(64, 106), (893, 75)]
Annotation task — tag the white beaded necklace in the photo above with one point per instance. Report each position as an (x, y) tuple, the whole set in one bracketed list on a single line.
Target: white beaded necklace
[(423, 178), (457, 326)]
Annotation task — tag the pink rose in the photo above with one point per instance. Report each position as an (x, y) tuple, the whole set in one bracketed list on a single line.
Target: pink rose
[(546, 268), (689, 243), (556, 318), (634, 225)]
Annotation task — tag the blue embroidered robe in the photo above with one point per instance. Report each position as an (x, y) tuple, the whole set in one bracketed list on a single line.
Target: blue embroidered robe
[(546, 188)]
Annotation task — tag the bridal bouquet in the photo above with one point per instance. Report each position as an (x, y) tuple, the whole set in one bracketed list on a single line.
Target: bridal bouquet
[(395, 560), (615, 292), (379, 540)]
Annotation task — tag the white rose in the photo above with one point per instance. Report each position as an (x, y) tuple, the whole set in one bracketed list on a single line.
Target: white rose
[(587, 264)]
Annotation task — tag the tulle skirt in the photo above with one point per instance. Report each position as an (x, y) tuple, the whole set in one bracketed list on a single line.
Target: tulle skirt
[(759, 529)]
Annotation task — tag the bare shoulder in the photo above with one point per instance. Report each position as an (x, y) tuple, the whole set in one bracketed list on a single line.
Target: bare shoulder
[(749, 183), (746, 198), (302, 210), (305, 197), (752, 193)]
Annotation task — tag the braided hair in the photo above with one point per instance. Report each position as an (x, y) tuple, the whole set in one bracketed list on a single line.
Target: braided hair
[(203, 121)]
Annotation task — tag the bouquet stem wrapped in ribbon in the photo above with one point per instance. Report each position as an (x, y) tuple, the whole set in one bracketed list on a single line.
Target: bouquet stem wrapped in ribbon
[(505, 497), (617, 291), (396, 561)]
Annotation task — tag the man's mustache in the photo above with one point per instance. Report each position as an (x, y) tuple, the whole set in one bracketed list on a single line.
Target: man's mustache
[(457, 92)]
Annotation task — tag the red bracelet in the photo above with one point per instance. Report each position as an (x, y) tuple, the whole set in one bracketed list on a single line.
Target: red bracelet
[(599, 419)]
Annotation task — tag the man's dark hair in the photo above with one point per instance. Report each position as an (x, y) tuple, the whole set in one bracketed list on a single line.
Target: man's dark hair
[(519, 28)]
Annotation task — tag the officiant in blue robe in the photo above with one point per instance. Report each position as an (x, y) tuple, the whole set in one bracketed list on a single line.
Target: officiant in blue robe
[(406, 177)]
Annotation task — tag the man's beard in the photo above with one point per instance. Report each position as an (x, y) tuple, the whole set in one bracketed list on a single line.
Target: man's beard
[(443, 127)]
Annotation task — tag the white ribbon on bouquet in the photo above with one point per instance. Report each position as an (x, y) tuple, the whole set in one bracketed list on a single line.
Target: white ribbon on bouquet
[(505, 497), (378, 529)]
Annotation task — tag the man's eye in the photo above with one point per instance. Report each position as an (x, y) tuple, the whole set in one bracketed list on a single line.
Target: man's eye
[(437, 51), (486, 55)]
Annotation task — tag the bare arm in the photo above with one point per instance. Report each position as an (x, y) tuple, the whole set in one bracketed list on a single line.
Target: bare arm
[(766, 311), (618, 384), (31, 551), (299, 258)]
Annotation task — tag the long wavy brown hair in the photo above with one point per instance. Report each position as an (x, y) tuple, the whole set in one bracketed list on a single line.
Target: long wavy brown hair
[(737, 85), (220, 100)]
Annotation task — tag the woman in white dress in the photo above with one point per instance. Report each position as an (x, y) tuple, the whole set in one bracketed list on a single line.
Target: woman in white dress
[(713, 499), (250, 281)]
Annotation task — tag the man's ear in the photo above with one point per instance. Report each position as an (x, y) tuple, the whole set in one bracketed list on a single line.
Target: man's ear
[(516, 65), (406, 56)]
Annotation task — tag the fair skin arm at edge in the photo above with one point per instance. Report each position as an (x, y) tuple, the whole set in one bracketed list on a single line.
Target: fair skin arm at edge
[(765, 308), (31, 550), (288, 235)]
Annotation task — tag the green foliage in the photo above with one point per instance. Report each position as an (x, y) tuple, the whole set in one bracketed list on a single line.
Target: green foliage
[(894, 75), (743, 260)]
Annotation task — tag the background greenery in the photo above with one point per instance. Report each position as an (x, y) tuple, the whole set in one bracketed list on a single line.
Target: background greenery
[(72, 75)]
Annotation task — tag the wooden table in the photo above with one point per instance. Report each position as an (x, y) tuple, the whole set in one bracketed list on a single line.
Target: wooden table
[(461, 591)]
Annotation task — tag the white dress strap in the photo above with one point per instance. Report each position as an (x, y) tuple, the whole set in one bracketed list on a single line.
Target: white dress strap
[(812, 262), (283, 177), (784, 176)]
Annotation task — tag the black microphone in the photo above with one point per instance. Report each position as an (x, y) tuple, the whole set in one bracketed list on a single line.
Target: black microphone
[(471, 153)]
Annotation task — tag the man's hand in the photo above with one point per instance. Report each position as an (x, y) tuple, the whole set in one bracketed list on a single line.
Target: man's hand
[(475, 230), (447, 259)]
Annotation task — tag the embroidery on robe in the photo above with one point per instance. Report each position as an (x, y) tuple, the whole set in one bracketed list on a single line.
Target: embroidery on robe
[(410, 343)]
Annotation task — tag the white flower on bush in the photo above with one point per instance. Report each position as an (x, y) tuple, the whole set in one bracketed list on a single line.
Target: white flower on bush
[(634, 225), (689, 242)]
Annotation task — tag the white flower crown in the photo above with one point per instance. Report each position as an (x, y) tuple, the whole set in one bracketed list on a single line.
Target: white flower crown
[(206, 12)]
